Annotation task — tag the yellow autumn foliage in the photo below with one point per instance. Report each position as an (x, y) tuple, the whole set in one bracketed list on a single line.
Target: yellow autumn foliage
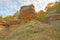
[(8, 18), (41, 16), (51, 6)]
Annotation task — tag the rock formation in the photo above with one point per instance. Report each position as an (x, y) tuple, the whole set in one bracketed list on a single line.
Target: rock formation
[(12, 24), (27, 13), (2, 23)]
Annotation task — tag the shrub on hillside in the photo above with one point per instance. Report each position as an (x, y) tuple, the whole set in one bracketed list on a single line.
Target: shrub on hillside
[(41, 15)]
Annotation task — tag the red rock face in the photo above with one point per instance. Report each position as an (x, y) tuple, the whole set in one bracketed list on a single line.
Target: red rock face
[(2, 23), (27, 13), (12, 24)]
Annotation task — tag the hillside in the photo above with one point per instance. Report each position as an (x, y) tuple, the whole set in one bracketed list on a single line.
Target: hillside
[(26, 24), (34, 30)]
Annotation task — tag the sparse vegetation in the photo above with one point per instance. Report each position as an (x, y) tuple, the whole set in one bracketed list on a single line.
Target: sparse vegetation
[(34, 30)]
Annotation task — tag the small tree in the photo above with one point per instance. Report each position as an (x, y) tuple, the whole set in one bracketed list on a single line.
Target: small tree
[(15, 16), (58, 7), (41, 16)]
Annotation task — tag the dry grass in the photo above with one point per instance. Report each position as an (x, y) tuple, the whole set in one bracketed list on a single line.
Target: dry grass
[(34, 30)]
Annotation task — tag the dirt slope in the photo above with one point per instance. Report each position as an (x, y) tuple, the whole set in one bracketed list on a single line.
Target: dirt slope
[(33, 30)]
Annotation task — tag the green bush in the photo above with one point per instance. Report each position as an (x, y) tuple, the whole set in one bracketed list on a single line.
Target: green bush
[(58, 8), (42, 17)]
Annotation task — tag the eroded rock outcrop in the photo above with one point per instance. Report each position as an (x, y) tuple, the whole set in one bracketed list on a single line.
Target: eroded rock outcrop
[(27, 13), (12, 24), (54, 20)]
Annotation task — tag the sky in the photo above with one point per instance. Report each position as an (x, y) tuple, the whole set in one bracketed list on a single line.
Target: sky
[(9, 7)]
